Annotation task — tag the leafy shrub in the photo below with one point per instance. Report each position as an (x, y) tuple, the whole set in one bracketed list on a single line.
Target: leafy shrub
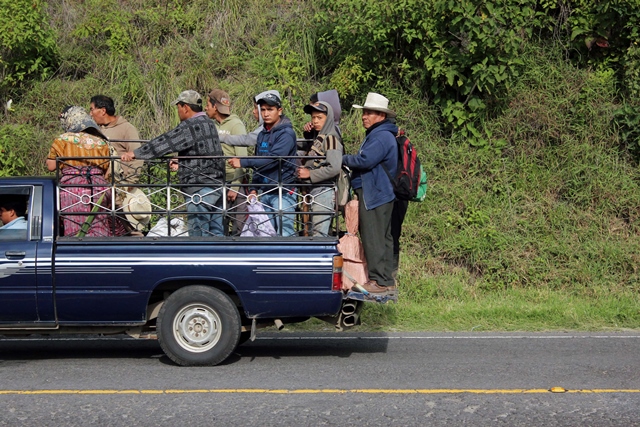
[(28, 48), (461, 52), (13, 150), (466, 54)]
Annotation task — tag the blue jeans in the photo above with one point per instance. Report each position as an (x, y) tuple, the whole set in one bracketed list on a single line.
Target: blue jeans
[(205, 217), (289, 201), (323, 202)]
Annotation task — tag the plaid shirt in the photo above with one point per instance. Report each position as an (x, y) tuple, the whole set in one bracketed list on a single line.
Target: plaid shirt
[(196, 136)]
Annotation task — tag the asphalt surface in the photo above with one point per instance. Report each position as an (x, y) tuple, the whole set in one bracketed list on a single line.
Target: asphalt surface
[(345, 379)]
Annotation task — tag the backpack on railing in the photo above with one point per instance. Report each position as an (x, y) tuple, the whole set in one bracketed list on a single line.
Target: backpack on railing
[(343, 184), (410, 182)]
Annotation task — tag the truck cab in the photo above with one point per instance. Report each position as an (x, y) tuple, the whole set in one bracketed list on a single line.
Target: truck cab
[(26, 285)]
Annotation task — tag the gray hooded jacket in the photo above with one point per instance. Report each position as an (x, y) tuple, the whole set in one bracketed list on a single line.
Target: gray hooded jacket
[(328, 143)]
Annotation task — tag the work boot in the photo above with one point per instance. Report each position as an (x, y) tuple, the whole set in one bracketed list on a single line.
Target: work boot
[(372, 287)]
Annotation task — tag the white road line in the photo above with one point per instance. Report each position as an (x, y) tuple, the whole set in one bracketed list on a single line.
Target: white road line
[(327, 338)]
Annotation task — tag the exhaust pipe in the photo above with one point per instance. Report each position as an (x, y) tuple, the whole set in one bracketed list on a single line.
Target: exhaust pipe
[(350, 321), (348, 317), (278, 323), (350, 314), (349, 308)]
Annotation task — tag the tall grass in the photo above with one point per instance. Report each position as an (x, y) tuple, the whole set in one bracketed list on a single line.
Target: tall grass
[(556, 207)]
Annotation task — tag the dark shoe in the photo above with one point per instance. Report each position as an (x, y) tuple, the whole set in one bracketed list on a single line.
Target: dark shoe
[(372, 287)]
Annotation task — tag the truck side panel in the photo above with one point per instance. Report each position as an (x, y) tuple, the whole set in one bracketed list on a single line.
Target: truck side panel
[(109, 281)]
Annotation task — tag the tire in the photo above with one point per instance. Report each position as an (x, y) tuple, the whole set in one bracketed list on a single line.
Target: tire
[(198, 325), (244, 337)]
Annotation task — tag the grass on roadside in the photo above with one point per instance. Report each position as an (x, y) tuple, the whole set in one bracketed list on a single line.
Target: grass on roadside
[(508, 310)]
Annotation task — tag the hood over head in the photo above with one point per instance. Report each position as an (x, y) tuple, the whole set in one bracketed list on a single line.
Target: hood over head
[(329, 127), (332, 97)]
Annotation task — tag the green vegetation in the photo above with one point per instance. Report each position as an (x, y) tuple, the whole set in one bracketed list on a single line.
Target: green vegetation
[(526, 115), (466, 54), (27, 45)]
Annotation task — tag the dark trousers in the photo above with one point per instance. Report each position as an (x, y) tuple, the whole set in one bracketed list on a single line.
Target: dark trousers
[(377, 241), (397, 218)]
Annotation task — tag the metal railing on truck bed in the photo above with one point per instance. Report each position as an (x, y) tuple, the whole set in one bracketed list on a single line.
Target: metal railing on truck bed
[(155, 200)]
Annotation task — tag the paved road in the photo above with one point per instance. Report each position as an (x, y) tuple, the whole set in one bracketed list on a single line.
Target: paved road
[(345, 379)]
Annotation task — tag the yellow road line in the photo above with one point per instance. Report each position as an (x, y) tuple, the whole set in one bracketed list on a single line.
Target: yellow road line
[(308, 391)]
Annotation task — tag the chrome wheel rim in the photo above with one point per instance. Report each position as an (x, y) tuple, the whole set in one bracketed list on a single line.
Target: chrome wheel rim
[(197, 328)]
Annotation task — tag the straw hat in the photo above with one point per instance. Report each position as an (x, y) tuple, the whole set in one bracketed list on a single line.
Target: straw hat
[(134, 206), (376, 102)]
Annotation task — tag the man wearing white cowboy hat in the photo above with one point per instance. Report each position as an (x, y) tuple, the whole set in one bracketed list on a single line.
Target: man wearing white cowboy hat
[(375, 191)]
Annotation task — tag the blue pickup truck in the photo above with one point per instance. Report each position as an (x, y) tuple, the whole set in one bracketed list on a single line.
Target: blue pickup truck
[(201, 297)]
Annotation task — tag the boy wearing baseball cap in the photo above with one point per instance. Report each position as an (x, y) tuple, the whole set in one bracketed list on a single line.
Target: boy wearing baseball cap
[(277, 139)]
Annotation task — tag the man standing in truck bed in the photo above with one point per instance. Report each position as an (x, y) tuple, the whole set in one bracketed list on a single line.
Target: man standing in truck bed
[(196, 135), (219, 109), (102, 109), (277, 139)]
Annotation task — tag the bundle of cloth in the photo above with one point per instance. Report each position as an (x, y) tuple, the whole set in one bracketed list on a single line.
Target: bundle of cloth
[(354, 267)]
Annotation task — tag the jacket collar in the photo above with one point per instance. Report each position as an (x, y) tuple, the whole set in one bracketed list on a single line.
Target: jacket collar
[(376, 125)]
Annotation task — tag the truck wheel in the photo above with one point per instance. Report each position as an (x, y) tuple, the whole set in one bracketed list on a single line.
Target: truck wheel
[(198, 325), (244, 337)]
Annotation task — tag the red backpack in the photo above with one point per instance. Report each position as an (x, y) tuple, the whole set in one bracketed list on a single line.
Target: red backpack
[(409, 171)]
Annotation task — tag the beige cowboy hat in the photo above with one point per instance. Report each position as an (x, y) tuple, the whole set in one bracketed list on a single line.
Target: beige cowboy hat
[(136, 207), (376, 102)]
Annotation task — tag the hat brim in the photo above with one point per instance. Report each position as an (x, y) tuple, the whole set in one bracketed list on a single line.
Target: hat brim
[(223, 109), (388, 112), (311, 108), (269, 102)]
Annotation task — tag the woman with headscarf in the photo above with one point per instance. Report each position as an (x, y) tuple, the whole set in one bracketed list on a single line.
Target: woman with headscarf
[(322, 170), (82, 184)]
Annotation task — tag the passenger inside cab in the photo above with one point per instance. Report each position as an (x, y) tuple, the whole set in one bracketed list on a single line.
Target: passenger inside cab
[(13, 209)]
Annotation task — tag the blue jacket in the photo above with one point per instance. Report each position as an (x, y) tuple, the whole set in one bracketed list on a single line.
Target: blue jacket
[(378, 148), (280, 141)]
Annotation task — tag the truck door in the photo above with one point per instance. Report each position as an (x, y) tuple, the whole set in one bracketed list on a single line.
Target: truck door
[(18, 263)]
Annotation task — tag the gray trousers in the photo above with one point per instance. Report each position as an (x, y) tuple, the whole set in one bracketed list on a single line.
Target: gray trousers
[(377, 241)]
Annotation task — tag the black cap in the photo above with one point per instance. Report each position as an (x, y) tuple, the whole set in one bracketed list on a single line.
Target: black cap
[(271, 99), (315, 107)]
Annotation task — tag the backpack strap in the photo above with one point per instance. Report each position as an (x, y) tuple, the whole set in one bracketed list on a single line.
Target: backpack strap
[(395, 138)]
